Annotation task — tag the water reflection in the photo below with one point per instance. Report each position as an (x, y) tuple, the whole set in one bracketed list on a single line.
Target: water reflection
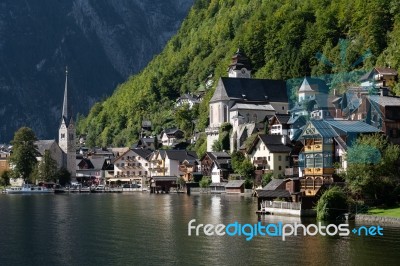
[(131, 229)]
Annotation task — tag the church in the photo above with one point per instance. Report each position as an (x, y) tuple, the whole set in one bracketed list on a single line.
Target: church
[(63, 152), (244, 102)]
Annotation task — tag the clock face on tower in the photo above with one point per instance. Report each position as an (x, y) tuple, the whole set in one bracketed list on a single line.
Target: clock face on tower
[(243, 70)]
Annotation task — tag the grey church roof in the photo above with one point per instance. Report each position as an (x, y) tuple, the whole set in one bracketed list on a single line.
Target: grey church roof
[(43, 145), (250, 90)]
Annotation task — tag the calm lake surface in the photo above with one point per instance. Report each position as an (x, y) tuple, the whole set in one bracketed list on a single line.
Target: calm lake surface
[(142, 228)]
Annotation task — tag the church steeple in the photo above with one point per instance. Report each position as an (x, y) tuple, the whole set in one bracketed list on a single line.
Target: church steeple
[(66, 132), (65, 112), (240, 66)]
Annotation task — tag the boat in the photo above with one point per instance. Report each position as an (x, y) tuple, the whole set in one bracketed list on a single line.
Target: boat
[(28, 189)]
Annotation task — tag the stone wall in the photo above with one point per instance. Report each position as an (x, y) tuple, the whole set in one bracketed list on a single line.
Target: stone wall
[(377, 219)]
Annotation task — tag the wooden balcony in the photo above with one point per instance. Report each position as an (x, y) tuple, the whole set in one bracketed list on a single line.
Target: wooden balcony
[(294, 171), (318, 171)]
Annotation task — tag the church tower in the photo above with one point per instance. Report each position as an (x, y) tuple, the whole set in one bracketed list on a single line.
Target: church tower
[(240, 66), (66, 134)]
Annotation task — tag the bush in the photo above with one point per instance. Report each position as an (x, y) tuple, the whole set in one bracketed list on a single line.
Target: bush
[(332, 204), (205, 182)]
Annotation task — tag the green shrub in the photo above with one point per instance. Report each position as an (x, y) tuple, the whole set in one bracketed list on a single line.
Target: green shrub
[(332, 204)]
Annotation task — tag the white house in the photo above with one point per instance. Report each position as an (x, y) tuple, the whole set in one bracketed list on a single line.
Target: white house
[(168, 162), (132, 166), (270, 154)]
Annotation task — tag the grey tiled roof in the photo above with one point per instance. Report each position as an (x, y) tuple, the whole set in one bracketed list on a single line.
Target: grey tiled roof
[(273, 193), (252, 90), (385, 100), (43, 145), (273, 184), (234, 183), (350, 126)]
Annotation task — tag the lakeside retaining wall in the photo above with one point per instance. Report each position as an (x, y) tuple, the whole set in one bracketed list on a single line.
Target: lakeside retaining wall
[(377, 219)]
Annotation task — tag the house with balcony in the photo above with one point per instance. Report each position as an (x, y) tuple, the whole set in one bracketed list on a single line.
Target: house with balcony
[(379, 77), (270, 154), (171, 162), (217, 165), (325, 143), (132, 166), (188, 169)]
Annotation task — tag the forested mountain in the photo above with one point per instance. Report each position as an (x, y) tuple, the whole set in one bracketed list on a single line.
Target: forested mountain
[(282, 38), (102, 42)]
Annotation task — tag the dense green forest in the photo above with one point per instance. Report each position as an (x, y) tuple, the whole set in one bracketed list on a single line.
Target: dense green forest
[(282, 38)]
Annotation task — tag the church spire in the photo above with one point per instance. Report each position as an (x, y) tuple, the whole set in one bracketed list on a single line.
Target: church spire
[(65, 113)]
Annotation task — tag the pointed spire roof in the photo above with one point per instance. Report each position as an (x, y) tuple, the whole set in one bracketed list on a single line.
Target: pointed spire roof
[(66, 115), (305, 86)]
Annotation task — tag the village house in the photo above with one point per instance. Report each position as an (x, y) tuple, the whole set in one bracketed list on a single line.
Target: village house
[(147, 143), (217, 165), (325, 143), (379, 77), (170, 162), (240, 100), (187, 99), (278, 124), (188, 169), (132, 167), (4, 159), (270, 154), (171, 136), (235, 186), (95, 170)]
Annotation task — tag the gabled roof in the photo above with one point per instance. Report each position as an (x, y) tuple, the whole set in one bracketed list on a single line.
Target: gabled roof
[(274, 184), (234, 184), (272, 142), (144, 153), (380, 70), (282, 119), (386, 71), (213, 155), (43, 145), (250, 90), (172, 131), (180, 155)]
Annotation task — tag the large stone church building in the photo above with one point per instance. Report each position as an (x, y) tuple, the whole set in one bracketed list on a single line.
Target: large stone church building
[(243, 102), (63, 152)]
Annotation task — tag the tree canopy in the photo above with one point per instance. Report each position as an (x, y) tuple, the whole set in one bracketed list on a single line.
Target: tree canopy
[(283, 38), (372, 168), (24, 152)]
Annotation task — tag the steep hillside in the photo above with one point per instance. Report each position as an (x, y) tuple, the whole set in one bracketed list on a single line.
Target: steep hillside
[(282, 39), (102, 42)]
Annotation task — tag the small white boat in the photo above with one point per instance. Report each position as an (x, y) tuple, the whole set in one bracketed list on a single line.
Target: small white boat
[(28, 189)]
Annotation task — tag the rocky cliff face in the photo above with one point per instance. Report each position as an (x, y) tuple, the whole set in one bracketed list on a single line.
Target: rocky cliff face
[(102, 42)]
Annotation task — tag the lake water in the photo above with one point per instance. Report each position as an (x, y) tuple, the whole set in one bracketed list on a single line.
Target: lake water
[(142, 228)]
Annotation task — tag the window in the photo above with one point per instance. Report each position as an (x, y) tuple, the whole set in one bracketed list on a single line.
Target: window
[(62, 136), (123, 158), (283, 107), (279, 158), (140, 172), (122, 164), (145, 173), (71, 136), (117, 164), (146, 164), (127, 172), (269, 158), (280, 167)]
